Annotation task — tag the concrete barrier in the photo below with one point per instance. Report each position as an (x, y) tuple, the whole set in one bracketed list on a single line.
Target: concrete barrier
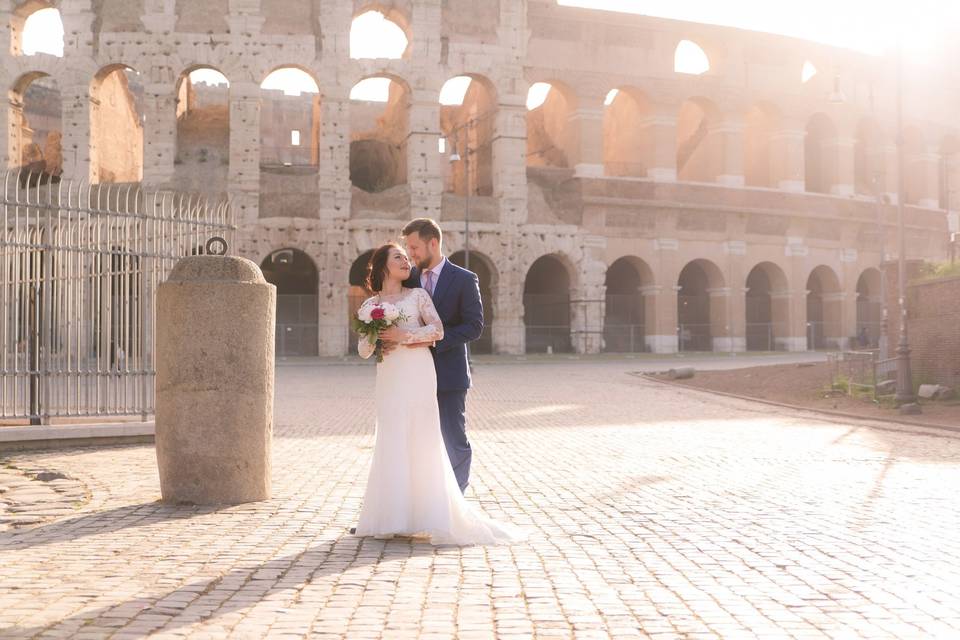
[(215, 363)]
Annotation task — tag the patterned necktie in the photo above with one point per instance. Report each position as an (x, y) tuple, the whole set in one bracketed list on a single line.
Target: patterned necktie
[(429, 283)]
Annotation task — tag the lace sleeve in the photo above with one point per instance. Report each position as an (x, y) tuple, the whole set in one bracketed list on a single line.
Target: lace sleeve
[(432, 329)]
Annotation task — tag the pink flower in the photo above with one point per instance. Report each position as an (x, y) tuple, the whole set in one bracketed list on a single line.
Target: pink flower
[(377, 313)]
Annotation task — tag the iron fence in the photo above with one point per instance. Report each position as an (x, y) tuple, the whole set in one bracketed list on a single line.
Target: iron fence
[(79, 270)]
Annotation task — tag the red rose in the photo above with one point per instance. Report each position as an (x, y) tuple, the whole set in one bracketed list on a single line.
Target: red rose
[(377, 313)]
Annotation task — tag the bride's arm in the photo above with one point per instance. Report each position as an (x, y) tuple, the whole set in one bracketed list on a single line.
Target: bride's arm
[(433, 326)]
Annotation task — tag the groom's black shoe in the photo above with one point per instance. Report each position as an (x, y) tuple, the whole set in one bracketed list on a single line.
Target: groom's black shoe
[(353, 530)]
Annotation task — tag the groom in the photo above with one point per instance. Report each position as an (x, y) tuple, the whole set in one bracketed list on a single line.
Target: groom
[(456, 295)]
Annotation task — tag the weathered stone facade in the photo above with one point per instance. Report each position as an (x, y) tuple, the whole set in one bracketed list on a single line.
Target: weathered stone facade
[(741, 207)]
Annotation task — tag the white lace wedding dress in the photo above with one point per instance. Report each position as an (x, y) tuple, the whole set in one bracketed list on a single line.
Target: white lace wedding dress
[(411, 490)]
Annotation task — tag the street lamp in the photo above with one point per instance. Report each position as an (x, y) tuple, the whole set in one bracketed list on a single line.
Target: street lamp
[(904, 397), (455, 157)]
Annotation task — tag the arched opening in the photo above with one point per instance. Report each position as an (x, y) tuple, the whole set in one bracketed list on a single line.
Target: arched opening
[(823, 309), (377, 35), (701, 306), (869, 309), (690, 58), (380, 125), (467, 121), (289, 120), (548, 116), (546, 306), (868, 166), (627, 144), (915, 165), (486, 274), (357, 292), (760, 125), (949, 180), (807, 72), (698, 154), (36, 128), (625, 317), (820, 162), (36, 27), (202, 156), (294, 274), (116, 126), (768, 308)]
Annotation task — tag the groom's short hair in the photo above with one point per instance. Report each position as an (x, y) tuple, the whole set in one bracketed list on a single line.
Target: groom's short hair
[(426, 228)]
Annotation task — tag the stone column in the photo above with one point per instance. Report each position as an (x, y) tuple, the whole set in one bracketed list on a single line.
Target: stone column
[(78, 18), (835, 320), (660, 130), (587, 310), (584, 143), (661, 319), (842, 151), (159, 133), (424, 162), (930, 171), (76, 115), (728, 136), (13, 132), (891, 189), (214, 388), (791, 305), (510, 160), (787, 169), (509, 333), (244, 174), (720, 319), (334, 169)]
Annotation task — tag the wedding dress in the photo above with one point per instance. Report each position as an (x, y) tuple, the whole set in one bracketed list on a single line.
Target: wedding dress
[(411, 489)]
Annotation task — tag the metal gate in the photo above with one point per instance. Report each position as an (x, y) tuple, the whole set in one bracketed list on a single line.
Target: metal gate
[(79, 269)]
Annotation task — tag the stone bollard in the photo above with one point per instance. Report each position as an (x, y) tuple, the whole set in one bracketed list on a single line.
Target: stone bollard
[(214, 409)]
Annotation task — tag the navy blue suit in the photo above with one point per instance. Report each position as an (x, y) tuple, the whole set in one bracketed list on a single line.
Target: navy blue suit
[(456, 295)]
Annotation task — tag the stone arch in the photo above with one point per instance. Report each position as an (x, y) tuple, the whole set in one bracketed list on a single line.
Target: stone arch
[(698, 153), (690, 58), (628, 315), (869, 172), (869, 308), (546, 305), (701, 306), (627, 140), (820, 150), (767, 308), (548, 126), (116, 125), (824, 309), (35, 116), (24, 21), (379, 129), (761, 123), (297, 279), (392, 22), (202, 155), (468, 124), (289, 119), (487, 275)]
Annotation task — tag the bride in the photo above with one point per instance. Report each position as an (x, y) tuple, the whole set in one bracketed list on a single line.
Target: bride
[(411, 490)]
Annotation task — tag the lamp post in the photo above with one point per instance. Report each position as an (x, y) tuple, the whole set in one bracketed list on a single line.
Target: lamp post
[(904, 397), (455, 157), (883, 338)]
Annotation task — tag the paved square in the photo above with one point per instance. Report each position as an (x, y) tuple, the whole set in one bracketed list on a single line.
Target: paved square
[(655, 512)]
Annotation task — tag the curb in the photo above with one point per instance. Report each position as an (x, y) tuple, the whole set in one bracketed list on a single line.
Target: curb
[(783, 405), (81, 435)]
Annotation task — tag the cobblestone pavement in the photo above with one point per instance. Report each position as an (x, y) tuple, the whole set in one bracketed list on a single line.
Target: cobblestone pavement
[(654, 511)]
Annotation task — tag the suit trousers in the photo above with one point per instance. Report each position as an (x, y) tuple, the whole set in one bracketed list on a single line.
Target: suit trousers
[(453, 427)]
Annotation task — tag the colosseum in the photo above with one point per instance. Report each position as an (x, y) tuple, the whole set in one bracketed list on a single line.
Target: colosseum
[(621, 183)]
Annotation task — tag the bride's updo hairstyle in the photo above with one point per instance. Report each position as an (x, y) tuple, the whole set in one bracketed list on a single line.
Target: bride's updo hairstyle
[(377, 267)]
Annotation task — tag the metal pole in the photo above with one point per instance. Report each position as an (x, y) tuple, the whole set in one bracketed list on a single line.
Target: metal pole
[(883, 338), (904, 397)]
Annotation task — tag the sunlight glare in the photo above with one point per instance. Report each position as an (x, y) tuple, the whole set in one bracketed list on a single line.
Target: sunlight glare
[(537, 95), (43, 33), (808, 71), (372, 35), (371, 90), (291, 81), (690, 59), (455, 90)]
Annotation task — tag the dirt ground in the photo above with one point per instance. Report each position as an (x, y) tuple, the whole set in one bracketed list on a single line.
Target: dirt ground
[(807, 385)]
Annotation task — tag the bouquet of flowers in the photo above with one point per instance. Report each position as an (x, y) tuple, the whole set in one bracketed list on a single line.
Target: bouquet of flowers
[(374, 317)]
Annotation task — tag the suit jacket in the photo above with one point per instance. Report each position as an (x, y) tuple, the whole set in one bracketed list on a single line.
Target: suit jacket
[(456, 295)]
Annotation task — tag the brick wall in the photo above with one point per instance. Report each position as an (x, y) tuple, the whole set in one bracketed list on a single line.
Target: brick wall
[(934, 316)]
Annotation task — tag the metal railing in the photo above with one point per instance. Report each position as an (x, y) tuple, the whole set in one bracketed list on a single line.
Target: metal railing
[(79, 270)]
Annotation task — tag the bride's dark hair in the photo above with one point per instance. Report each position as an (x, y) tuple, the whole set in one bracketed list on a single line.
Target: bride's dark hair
[(377, 267)]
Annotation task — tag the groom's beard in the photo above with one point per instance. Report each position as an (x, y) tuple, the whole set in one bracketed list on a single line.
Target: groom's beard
[(425, 263)]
